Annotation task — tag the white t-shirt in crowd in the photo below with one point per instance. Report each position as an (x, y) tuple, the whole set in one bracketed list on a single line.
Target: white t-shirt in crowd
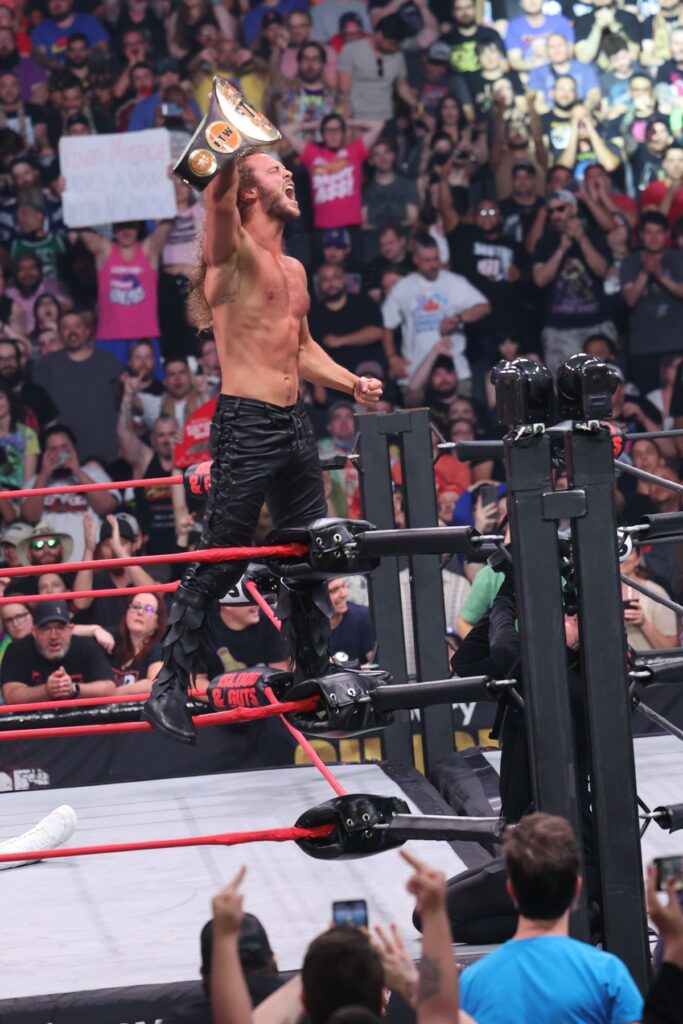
[(65, 512), (418, 305)]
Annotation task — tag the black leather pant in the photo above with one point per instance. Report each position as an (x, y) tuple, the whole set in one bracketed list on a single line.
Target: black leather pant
[(260, 452)]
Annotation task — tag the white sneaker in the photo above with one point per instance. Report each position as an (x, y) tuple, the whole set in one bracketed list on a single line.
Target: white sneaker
[(52, 831)]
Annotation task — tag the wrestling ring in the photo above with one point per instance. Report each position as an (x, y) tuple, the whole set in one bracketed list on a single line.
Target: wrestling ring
[(109, 921)]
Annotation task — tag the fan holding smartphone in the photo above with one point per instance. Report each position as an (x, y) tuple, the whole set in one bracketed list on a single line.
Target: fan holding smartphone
[(350, 913)]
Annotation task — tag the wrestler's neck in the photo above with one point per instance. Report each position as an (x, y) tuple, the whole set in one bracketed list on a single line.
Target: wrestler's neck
[(265, 229)]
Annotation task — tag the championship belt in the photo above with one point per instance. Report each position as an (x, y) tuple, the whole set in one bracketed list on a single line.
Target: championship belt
[(229, 125)]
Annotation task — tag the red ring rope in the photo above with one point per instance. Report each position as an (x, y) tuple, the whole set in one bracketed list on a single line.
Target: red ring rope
[(266, 835), (316, 760), (200, 721), (73, 595), (83, 702), (239, 554), (111, 485)]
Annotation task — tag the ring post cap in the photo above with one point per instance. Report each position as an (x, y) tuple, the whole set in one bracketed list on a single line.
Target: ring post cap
[(661, 670), (347, 704), (230, 125), (669, 817), (661, 524), (355, 834)]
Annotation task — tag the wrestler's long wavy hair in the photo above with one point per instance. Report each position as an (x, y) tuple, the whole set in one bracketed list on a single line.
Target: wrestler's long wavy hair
[(198, 308)]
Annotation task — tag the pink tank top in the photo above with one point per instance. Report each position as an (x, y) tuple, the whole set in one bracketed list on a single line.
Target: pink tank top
[(127, 297)]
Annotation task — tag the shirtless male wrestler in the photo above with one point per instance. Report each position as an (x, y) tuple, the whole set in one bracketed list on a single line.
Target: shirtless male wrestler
[(262, 445)]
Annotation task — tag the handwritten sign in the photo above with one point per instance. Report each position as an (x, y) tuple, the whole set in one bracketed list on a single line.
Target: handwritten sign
[(113, 178)]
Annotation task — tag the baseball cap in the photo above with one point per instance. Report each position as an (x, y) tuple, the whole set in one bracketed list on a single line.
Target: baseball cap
[(349, 17), (253, 945), (50, 611), (562, 195), (77, 119), (16, 532), (439, 53), (253, 941), (272, 18), (524, 165), (343, 403), (339, 238), (443, 362), (166, 64), (371, 368), (236, 596), (128, 527)]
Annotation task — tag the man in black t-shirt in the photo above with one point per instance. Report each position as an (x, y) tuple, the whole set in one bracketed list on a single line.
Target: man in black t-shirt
[(430, 76), (393, 254), (349, 327), (236, 637), (570, 263), (492, 68), (119, 537), (646, 161), (556, 122), (26, 119), (669, 80), (492, 263), (239, 636), (52, 664), (591, 30), (465, 35), (520, 208)]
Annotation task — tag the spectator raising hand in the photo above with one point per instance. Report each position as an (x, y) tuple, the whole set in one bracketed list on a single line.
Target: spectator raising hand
[(400, 973), (227, 908), (437, 990), (229, 994), (665, 997)]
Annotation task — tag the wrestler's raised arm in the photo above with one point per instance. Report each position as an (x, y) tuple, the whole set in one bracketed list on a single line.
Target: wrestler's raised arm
[(223, 225)]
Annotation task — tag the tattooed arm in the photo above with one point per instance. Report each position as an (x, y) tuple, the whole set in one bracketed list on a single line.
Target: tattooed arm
[(437, 990)]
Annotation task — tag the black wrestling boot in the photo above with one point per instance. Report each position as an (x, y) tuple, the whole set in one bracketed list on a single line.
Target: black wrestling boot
[(166, 706)]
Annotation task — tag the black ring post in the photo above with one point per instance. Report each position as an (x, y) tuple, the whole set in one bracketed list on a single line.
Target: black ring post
[(384, 585), (410, 429), (538, 587), (590, 467), (426, 587)]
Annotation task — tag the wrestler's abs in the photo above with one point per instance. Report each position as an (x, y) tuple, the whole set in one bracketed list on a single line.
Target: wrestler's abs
[(257, 319)]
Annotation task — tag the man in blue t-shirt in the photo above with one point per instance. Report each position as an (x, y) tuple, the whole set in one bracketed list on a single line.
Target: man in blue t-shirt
[(541, 974), (50, 36), (527, 36), (351, 632)]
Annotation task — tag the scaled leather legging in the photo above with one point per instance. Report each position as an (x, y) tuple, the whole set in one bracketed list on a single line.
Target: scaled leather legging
[(260, 452)]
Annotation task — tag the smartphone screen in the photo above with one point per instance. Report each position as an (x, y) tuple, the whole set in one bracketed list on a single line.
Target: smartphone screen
[(669, 867), (487, 494), (350, 912)]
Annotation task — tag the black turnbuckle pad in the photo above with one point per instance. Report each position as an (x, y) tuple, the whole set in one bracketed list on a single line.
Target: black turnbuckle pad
[(669, 817), (332, 550), (347, 706), (355, 834), (246, 688)]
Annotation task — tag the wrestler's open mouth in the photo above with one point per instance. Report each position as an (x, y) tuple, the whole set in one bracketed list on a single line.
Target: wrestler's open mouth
[(289, 191)]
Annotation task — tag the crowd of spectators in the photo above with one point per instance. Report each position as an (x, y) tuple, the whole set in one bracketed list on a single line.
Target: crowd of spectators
[(354, 976), (477, 181)]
